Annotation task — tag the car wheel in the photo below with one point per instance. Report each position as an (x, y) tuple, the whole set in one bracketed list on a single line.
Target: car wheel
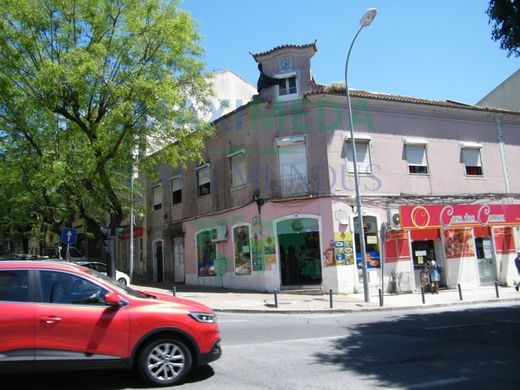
[(122, 281), (165, 361)]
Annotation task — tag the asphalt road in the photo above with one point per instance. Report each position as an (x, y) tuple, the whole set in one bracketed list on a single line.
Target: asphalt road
[(476, 347)]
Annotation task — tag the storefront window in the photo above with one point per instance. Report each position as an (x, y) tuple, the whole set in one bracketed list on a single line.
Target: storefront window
[(371, 242), (242, 247), (206, 254)]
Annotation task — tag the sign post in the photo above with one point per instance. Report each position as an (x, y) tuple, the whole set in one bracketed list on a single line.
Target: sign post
[(69, 236)]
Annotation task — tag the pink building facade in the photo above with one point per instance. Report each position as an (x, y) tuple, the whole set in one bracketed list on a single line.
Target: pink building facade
[(270, 205)]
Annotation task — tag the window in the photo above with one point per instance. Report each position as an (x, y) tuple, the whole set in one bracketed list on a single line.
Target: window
[(206, 254), (204, 180), (176, 189), (157, 197), (64, 288), (14, 286), (238, 169), (242, 248), (472, 160), (287, 88), (416, 156), (292, 160), (362, 154)]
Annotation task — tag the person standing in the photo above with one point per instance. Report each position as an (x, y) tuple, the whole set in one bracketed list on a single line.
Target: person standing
[(435, 276), (517, 263)]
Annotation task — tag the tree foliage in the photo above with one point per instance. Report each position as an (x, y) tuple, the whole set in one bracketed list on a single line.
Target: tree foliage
[(505, 17), (83, 85)]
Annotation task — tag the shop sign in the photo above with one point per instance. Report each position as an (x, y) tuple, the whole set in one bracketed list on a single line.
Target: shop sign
[(454, 216)]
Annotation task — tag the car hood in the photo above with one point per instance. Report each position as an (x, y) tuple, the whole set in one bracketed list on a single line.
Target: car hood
[(189, 304)]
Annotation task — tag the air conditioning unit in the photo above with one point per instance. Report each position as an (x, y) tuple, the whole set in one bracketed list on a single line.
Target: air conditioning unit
[(395, 219), (219, 233)]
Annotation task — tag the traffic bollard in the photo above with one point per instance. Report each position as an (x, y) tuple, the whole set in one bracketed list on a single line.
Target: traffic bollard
[(460, 291), (174, 290), (380, 297), (330, 298), (422, 293), (276, 298), (496, 289)]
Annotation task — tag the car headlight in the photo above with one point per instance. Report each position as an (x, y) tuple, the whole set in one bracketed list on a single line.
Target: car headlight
[(207, 318)]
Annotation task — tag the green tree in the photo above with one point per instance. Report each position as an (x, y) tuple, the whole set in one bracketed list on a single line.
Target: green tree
[(505, 17), (85, 83)]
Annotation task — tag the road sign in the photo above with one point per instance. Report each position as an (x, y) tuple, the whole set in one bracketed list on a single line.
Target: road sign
[(69, 236)]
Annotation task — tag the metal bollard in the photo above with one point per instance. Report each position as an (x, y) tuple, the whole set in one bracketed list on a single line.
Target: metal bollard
[(174, 290), (380, 297), (460, 291), (276, 298), (330, 298), (496, 289), (422, 293)]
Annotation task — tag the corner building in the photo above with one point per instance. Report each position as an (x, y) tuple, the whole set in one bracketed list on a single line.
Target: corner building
[(271, 204)]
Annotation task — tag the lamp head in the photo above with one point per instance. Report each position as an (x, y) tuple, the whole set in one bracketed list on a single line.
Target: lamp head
[(368, 17)]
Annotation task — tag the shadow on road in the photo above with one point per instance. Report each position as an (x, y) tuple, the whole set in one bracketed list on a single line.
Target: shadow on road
[(95, 379), (471, 349)]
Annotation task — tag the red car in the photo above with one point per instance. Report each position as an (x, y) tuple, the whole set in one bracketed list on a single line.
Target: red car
[(62, 316)]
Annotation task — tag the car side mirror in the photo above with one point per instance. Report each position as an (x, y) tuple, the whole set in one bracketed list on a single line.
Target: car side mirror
[(112, 299)]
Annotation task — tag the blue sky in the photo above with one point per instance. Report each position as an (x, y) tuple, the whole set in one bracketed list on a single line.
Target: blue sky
[(434, 49)]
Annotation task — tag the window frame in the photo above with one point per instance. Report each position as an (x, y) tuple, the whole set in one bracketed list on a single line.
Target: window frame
[(360, 139), (238, 154), (466, 148), (417, 144), (174, 191), (286, 77), (157, 187), (285, 142), (206, 184)]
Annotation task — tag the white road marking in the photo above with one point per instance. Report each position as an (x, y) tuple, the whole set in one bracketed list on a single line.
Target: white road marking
[(457, 326), (440, 382)]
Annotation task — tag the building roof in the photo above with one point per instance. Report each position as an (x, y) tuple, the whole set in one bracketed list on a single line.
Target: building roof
[(407, 99), (304, 46)]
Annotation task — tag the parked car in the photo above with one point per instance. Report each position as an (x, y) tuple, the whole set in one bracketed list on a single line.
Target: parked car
[(63, 316), (121, 277)]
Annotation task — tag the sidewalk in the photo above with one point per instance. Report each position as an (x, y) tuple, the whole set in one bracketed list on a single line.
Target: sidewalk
[(226, 300)]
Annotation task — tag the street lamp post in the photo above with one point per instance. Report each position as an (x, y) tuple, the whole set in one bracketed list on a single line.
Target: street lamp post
[(365, 21)]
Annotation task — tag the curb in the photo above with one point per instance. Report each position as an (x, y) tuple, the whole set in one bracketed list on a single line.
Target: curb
[(365, 310)]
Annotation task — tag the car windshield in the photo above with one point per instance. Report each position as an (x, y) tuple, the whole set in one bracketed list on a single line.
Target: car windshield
[(115, 284)]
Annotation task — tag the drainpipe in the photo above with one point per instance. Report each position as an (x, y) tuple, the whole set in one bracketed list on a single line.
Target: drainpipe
[(501, 144)]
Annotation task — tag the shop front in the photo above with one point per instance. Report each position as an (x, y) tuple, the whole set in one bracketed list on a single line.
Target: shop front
[(471, 242)]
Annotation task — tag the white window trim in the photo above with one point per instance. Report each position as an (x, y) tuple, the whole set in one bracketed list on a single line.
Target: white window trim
[(360, 138), (296, 139), (415, 141), (472, 146), (290, 96), (418, 165)]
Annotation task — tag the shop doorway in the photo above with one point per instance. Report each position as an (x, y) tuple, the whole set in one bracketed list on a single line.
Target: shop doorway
[(158, 257), (299, 248), (422, 252), (486, 265)]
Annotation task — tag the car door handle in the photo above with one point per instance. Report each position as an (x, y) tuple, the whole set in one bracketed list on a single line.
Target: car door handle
[(50, 319)]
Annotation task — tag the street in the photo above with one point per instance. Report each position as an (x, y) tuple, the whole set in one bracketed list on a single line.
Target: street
[(473, 347)]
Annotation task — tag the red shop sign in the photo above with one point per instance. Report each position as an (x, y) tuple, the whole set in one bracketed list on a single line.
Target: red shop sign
[(453, 216)]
